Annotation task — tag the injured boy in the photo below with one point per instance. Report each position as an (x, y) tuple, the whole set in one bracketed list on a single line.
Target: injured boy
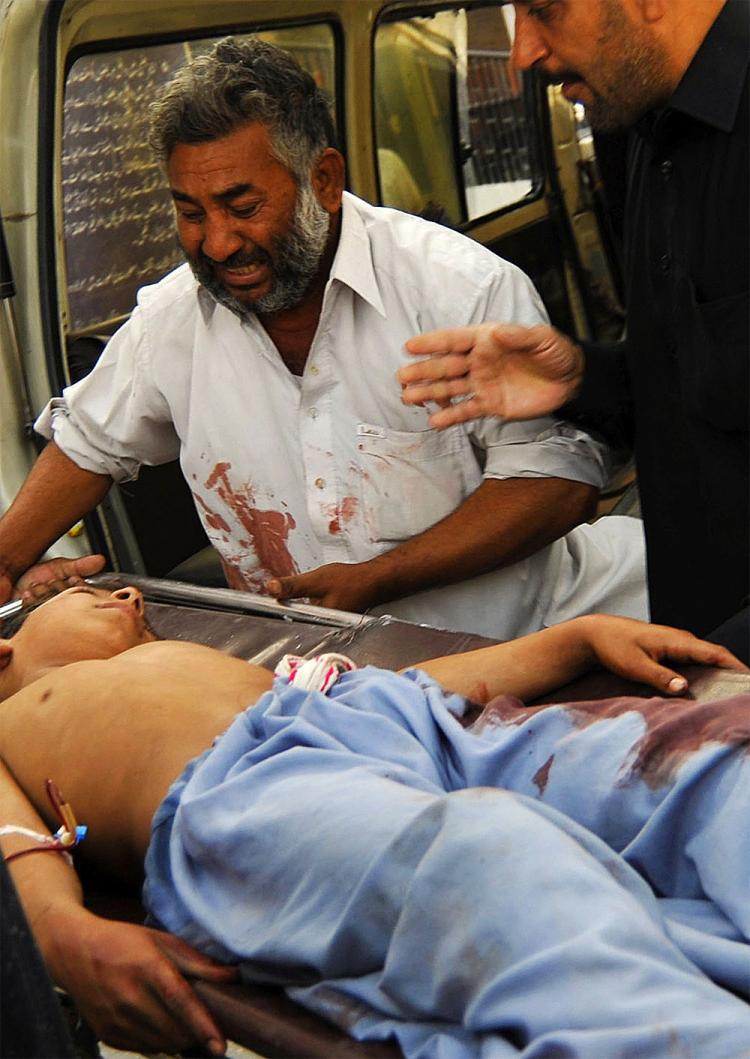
[(568, 880)]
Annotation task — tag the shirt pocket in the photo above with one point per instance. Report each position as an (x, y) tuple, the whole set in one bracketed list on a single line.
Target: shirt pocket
[(716, 338), (412, 479)]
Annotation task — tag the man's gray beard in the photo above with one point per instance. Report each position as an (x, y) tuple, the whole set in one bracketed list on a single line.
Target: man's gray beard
[(638, 81), (296, 258)]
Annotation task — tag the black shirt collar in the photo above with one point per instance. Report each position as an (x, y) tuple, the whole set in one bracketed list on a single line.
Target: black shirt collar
[(712, 86)]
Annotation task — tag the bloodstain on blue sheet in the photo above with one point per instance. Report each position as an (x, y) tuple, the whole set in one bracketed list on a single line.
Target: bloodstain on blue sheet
[(674, 728)]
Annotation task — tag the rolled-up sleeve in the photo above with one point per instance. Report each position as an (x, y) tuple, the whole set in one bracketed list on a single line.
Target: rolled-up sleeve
[(115, 419), (542, 448), (547, 447)]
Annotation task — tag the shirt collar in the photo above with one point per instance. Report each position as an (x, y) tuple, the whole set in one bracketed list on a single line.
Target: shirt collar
[(353, 264), (207, 303), (712, 86)]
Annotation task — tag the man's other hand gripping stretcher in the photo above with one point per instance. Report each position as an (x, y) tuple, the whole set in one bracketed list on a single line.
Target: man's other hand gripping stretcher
[(526, 879)]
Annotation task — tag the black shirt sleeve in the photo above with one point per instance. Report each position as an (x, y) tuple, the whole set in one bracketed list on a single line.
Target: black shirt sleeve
[(605, 403)]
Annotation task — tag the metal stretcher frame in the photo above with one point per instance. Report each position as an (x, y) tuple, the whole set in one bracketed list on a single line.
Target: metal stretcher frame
[(262, 631)]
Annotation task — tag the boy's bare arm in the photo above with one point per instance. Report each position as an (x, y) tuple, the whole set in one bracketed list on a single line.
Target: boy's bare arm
[(126, 980), (535, 664), (113, 734)]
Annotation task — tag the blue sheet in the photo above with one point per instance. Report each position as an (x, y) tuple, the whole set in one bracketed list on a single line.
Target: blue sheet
[(565, 881)]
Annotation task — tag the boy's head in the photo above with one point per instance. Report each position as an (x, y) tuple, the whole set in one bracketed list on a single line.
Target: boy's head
[(76, 625)]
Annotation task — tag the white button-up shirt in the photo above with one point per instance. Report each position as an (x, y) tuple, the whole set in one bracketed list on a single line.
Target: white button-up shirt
[(289, 473)]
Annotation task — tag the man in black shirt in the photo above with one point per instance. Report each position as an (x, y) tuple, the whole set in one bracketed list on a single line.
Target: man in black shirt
[(677, 388)]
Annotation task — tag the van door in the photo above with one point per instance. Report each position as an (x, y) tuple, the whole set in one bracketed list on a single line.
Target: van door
[(464, 137)]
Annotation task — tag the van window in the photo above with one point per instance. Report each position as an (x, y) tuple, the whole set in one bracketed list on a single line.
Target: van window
[(454, 133), (117, 213)]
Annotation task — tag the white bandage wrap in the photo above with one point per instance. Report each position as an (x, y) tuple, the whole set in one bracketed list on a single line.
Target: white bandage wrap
[(314, 674), (43, 840), (13, 829)]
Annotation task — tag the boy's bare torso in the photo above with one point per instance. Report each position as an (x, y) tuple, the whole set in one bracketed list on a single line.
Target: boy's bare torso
[(145, 713)]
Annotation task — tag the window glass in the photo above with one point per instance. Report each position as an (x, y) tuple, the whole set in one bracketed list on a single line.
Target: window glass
[(117, 213), (453, 132)]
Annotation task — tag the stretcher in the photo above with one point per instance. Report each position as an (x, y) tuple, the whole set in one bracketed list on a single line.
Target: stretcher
[(262, 631)]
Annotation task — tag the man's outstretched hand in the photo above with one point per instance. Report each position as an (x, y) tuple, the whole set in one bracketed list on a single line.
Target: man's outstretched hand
[(52, 575), (492, 369)]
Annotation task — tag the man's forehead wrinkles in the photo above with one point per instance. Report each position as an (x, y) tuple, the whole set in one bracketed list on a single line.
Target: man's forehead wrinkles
[(232, 192), (235, 190)]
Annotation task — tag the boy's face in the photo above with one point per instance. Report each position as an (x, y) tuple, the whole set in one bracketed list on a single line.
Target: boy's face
[(85, 623)]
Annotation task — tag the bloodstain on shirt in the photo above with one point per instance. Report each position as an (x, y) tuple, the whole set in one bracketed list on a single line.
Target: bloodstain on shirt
[(341, 514), (219, 471), (240, 580), (267, 530), (674, 728), (214, 520)]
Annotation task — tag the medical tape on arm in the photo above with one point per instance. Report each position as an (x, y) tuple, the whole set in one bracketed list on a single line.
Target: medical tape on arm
[(67, 836), (314, 674)]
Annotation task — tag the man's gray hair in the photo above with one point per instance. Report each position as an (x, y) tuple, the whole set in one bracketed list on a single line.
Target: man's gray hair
[(238, 82)]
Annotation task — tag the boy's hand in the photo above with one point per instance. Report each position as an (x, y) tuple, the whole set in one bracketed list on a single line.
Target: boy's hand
[(130, 984), (635, 650)]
